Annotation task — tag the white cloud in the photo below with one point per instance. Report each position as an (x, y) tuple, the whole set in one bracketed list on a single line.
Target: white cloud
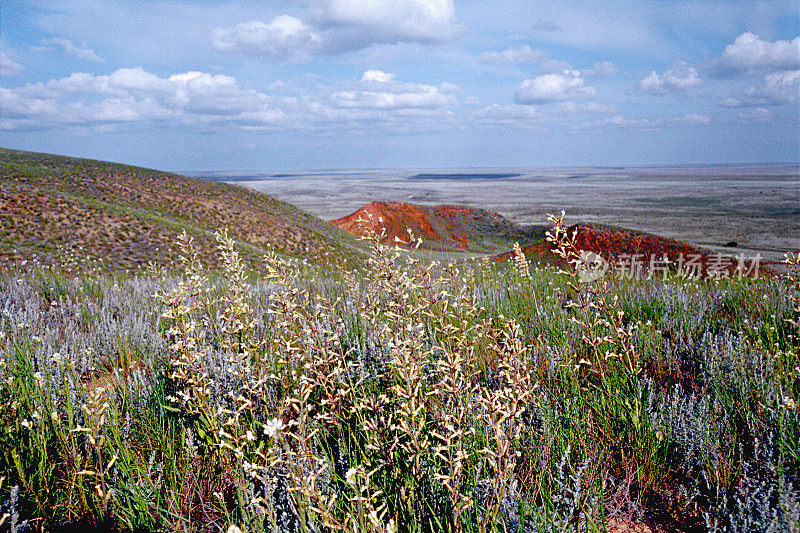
[(622, 121), (515, 55), (749, 54), (70, 48), (8, 67), (680, 77), (782, 87), (512, 115), (133, 94), (339, 26), (379, 90), (284, 38), (394, 20), (760, 114), (731, 102), (553, 88), (779, 88), (693, 118), (565, 113), (377, 75), (600, 70), (214, 101)]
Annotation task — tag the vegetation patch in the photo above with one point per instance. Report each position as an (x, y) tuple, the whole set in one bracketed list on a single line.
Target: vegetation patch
[(401, 396)]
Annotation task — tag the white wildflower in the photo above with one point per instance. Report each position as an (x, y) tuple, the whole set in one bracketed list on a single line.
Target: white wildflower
[(350, 476), (273, 427)]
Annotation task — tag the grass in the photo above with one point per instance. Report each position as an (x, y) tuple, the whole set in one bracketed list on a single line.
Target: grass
[(127, 217), (401, 396)]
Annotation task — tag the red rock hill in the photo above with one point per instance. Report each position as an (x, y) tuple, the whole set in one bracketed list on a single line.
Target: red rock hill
[(617, 245), (441, 227)]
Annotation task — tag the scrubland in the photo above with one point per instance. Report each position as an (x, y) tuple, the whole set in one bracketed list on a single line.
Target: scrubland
[(403, 396)]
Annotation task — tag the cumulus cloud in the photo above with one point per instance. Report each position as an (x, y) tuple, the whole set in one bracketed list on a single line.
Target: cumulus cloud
[(133, 94), (750, 55), (379, 90), (779, 88), (680, 77), (553, 88), (515, 55), (394, 20), (339, 26), (8, 67), (70, 48), (778, 62), (603, 69), (284, 38), (782, 87), (377, 76)]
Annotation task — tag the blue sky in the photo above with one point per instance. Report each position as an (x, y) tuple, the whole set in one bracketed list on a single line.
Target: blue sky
[(401, 83)]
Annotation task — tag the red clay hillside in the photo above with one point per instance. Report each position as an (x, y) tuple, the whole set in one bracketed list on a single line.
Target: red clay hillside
[(441, 227), (618, 244)]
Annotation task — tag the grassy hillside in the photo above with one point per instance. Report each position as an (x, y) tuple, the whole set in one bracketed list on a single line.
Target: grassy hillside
[(53, 208)]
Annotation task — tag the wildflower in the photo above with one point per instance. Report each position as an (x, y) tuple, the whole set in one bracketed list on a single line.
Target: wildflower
[(373, 517), (273, 427), (350, 476), (250, 436), (391, 527), (789, 403), (234, 529)]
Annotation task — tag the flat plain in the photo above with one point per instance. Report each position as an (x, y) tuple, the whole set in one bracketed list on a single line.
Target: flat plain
[(756, 207)]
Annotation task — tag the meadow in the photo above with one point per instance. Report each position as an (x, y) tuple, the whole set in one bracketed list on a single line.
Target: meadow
[(404, 395)]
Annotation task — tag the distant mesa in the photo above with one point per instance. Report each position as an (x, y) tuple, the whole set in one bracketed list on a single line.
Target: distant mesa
[(441, 227)]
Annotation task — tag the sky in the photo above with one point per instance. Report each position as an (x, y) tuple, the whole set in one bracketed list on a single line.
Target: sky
[(348, 84)]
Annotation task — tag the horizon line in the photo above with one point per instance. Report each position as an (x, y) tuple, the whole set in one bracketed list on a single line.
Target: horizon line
[(195, 173)]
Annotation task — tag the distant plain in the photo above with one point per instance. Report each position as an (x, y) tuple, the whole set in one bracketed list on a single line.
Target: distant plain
[(755, 207)]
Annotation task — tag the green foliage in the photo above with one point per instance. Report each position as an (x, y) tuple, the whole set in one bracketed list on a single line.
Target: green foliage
[(422, 397)]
